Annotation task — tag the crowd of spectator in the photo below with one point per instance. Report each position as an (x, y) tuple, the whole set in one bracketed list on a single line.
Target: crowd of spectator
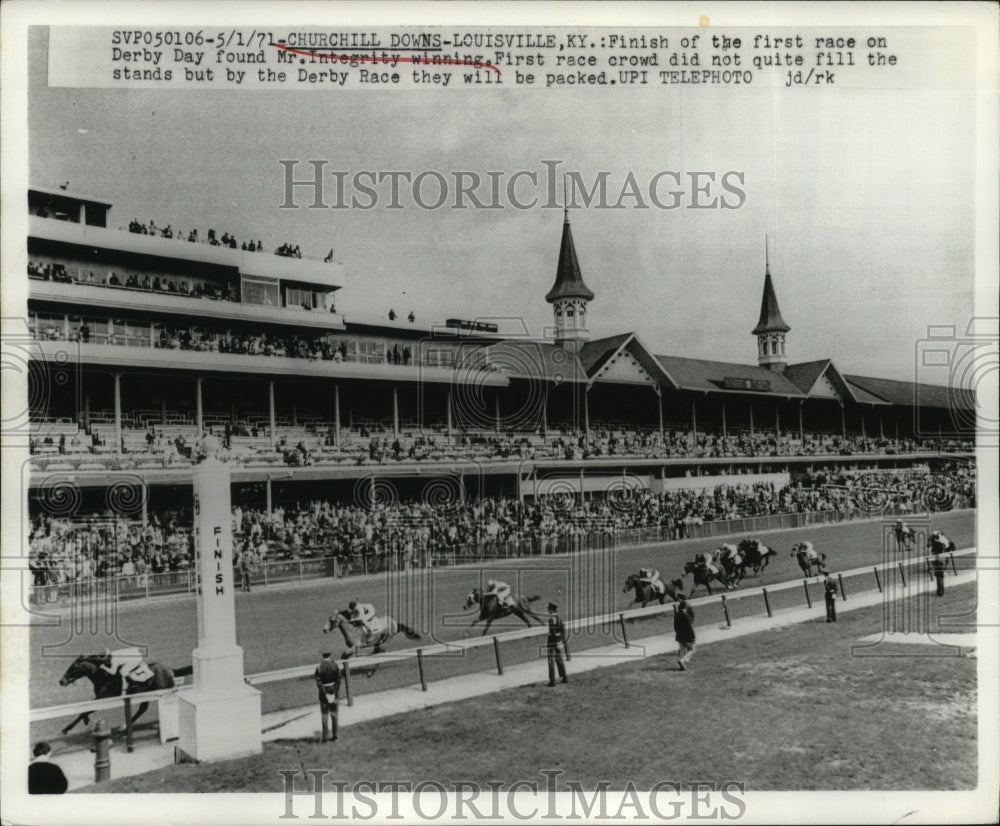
[(134, 281), (62, 550)]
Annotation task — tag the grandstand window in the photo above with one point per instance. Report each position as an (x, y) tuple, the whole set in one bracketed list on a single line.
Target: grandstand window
[(260, 291)]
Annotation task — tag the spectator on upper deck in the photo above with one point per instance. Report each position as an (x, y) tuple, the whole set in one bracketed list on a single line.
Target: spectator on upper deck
[(392, 314), (411, 317)]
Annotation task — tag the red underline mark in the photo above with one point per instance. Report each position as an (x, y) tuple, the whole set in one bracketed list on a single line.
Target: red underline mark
[(417, 61)]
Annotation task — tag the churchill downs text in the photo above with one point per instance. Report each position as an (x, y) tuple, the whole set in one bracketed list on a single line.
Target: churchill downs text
[(319, 796)]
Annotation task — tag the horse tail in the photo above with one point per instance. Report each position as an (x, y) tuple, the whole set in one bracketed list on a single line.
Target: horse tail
[(184, 671)]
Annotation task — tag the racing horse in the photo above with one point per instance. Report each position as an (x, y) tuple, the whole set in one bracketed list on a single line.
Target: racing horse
[(110, 685), (732, 563), (807, 562), (383, 630), (490, 609), (755, 555), (645, 593), (703, 575), (904, 536)]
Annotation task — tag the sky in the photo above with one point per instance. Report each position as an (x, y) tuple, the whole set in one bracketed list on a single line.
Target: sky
[(866, 198)]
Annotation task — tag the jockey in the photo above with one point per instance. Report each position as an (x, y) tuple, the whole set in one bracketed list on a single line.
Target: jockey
[(362, 614), (729, 553), (129, 663), (707, 560), (939, 543), (500, 590), (651, 576), (808, 549)]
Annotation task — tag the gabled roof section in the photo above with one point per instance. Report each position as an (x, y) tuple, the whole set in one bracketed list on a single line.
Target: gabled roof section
[(806, 374), (569, 281), (915, 394), (770, 320), (700, 374), (593, 354), (629, 356)]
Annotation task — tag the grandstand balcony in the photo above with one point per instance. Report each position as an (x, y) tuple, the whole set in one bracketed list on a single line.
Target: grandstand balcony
[(329, 275), (130, 299)]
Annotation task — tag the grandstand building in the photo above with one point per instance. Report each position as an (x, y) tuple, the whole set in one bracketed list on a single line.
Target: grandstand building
[(145, 339)]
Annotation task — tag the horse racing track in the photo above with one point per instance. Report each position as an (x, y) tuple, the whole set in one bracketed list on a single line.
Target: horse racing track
[(281, 628)]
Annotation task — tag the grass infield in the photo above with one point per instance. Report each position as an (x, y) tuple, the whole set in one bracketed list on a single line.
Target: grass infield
[(788, 709)]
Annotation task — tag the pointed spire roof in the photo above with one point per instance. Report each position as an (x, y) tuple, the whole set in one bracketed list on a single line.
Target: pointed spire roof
[(569, 281), (770, 320)]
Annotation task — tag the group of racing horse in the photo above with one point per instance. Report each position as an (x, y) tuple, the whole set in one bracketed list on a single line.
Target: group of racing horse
[(125, 672)]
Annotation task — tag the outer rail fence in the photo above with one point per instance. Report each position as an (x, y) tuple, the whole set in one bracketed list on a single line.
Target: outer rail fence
[(147, 586), (419, 656)]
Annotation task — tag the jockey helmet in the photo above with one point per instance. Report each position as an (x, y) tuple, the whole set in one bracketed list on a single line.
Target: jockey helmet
[(353, 604), (491, 583)]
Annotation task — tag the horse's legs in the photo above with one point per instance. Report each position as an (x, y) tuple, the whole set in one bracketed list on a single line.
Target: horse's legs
[(86, 720), (141, 710), (489, 622)]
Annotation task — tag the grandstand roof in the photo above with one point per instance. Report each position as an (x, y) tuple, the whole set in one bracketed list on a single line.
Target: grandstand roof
[(807, 373), (594, 354), (907, 393), (535, 360), (701, 374), (569, 281), (770, 316)]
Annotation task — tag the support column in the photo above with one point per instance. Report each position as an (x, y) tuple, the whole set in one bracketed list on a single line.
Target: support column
[(496, 408), (163, 409), (271, 416), (295, 413), (895, 419), (843, 422), (86, 411), (336, 415), (581, 486), (65, 326), (881, 428), (751, 420), (659, 413), (777, 422), (694, 417), (198, 415), (118, 412), (725, 435), (586, 413), (395, 411), (145, 504), (545, 414), (267, 493), (864, 434), (450, 434), (802, 430)]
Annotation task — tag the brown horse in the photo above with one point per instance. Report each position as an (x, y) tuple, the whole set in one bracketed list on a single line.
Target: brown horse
[(703, 575), (110, 685), (644, 592), (356, 638), (491, 610)]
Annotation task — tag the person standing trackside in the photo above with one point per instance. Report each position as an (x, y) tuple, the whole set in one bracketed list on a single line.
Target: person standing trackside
[(938, 566), (557, 637), (45, 777), (830, 596), (684, 633), (328, 683)]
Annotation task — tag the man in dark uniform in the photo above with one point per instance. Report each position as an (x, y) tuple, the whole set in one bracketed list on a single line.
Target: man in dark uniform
[(830, 596), (328, 683), (684, 633), (938, 566), (45, 777), (557, 637)]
